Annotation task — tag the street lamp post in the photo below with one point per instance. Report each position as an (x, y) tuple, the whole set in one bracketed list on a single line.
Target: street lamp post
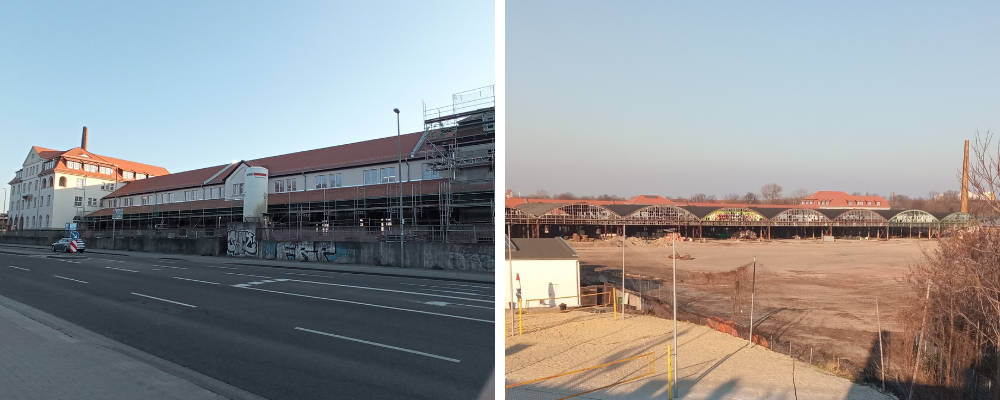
[(399, 180)]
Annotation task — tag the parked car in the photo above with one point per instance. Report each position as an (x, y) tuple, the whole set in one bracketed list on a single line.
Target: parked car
[(63, 245)]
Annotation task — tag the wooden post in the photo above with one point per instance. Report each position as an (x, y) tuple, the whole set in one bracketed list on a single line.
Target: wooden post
[(916, 360)]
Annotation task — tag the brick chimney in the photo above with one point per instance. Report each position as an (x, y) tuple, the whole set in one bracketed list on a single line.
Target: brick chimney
[(83, 140)]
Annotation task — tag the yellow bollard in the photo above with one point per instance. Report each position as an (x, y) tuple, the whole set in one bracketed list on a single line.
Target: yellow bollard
[(614, 302), (670, 386), (520, 320)]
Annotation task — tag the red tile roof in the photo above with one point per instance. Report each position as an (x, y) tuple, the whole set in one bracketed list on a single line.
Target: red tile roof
[(180, 180), (840, 199), (84, 156), (347, 155)]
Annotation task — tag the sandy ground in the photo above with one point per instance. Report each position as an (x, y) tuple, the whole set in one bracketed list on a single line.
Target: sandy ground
[(712, 365), (822, 293)]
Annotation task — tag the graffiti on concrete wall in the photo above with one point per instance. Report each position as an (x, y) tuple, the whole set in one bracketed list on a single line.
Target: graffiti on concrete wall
[(470, 261), (241, 242), (304, 251)]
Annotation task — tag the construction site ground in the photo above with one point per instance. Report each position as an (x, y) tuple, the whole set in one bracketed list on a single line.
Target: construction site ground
[(712, 365), (818, 295)]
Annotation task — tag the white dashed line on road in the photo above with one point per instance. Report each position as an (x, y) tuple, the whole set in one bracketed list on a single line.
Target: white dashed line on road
[(255, 276), (195, 280), (22, 269), (69, 279), (167, 266), (168, 301), (121, 269), (216, 266), (370, 305), (370, 343), (391, 290)]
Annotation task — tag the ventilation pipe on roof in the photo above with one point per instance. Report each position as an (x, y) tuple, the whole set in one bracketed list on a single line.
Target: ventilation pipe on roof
[(83, 140)]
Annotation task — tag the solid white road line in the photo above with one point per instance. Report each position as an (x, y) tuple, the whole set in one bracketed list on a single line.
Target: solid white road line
[(195, 280), (454, 292), (69, 279), (370, 305), (216, 266), (390, 290), (167, 266), (454, 360), (22, 269), (459, 287), (122, 269), (255, 276), (168, 301)]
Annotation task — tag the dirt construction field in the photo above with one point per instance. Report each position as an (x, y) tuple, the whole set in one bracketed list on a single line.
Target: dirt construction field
[(815, 294), (712, 365)]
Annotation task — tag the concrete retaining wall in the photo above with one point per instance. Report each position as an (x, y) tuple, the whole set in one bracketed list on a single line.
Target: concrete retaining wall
[(460, 257)]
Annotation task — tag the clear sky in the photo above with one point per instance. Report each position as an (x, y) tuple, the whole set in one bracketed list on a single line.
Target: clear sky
[(191, 84), (676, 98)]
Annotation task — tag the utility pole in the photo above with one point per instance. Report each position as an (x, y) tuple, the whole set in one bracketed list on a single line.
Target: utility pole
[(623, 272), (673, 248), (399, 173)]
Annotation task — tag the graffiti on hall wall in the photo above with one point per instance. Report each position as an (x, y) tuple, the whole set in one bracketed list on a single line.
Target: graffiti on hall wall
[(241, 242), (471, 261), (305, 251)]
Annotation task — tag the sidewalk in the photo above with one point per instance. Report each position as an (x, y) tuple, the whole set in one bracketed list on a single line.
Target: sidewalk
[(43, 357), (462, 276)]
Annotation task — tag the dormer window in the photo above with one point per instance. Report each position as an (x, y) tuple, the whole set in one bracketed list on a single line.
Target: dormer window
[(128, 175)]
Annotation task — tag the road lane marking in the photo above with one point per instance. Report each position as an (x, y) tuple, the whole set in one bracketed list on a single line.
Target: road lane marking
[(167, 266), (445, 304), (465, 293), (69, 279), (255, 276), (370, 305), (390, 290), (462, 287), (195, 280), (215, 266), (122, 269), (22, 269), (449, 285), (370, 343), (168, 301)]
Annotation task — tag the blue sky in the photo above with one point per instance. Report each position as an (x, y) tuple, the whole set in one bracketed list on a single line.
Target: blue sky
[(678, 98), (190, 84)]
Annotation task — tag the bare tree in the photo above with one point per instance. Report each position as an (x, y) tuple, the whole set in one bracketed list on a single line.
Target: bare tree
[(750, 197), (770, 192), (732, 197), (701, 198), (984, 170), (798, 195)]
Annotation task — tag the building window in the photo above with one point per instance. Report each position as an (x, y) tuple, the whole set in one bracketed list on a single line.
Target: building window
[(77, 201), (73, 165), (279, 186), (79, 183), (290, 184), (128, 175), (389, 174), (90, 167), (140, 176), (878, 203), (48, 200), (371, 176), (237, 189), (91, 202), (335, 180), (47, 222), (431, 173), (321, 182), (105, 171)]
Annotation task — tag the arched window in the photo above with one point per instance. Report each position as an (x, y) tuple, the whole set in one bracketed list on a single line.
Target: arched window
[(44, 181), (62, 181), (47, 221), (50, 181)]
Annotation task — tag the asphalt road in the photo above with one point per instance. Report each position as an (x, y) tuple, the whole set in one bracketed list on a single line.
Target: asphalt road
[(277, 333)]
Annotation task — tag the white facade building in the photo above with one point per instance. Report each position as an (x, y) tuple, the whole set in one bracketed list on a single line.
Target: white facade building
[(55, 187), (549, 272)]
